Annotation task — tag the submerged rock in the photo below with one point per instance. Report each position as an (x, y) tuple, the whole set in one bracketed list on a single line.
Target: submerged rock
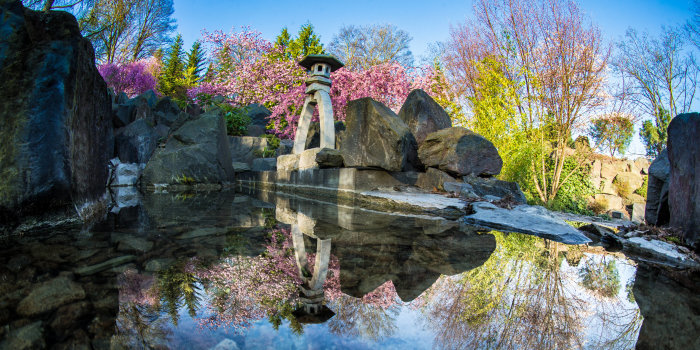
[(531, 220), (375, 137), (460, 152), (56, 128), (50, 295), (423, 115), (28, 337), (684, 179)]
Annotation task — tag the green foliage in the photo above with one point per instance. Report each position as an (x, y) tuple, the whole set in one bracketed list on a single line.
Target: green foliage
[(273, 143), (195, 65), (306, 42), (612, 134), (642, 191), (573, 194), (654, 134), (237, 119), (443, 96), (171, 81), (623, 188)]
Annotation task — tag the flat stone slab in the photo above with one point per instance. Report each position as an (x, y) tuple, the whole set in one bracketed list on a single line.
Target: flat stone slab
[(659, 250), (424, 200), (531, 220)]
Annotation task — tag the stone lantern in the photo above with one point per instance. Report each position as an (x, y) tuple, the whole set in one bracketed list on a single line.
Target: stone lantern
[(318, 87)]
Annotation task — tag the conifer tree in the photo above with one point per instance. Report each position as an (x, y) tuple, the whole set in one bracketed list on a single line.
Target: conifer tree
[(171, 79), (195, 65)]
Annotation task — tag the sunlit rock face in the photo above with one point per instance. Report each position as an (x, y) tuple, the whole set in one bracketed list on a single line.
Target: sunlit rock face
[(684, 181), (423, 115), (55, 113)]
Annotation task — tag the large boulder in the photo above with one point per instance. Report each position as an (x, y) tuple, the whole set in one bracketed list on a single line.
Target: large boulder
[(423, 115), (375, 137), (246, 148), (657, 212), (459, 152), (136, 142), (55, 111), (258, 115), (198, 152), (684, 180)]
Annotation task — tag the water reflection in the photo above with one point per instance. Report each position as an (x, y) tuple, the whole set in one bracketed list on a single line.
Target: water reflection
[(258, 270)]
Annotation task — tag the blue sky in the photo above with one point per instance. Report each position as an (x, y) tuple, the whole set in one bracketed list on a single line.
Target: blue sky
[(426, 21)]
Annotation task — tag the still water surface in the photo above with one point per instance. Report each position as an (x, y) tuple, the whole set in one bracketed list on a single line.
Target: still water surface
[(256, 271)]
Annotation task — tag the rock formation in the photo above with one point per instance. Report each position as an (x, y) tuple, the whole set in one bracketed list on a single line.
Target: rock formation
[(684, 179), (656, 212), (459, 152), (375, 137), (56, 122), (423, 115)]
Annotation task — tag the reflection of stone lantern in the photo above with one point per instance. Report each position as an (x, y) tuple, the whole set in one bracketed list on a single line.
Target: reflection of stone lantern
[(318, 87)]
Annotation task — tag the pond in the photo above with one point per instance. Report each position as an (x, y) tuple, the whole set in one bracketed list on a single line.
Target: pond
[(257, 270)]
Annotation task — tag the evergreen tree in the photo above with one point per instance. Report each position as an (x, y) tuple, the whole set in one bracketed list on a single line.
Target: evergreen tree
[(171, 80), (306, 43), (195, 65)]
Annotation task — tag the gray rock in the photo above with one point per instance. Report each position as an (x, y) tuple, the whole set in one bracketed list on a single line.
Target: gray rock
[(143, 109), (638, 213), (656, 212), (50, 295), (423, 115), (198, 152), (285, 147), (124, 174), (313, 138), (136, 142), (329, 158), (375, 137), (150, 97), (246, 148), (169, 109), (56, 127), (433, 179), (122, 114), (68, 316), (258, 115), (161, 132), (264, 164), (684, 179), (130, 242), (125, 197), (121, 98), (30, 336), (105, 265), (531, 220), (460, 152), (494, 187), (239, 167)]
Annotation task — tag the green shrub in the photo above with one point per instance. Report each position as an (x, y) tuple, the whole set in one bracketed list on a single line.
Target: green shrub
[(573, 194), (237, 119), (642, 191)]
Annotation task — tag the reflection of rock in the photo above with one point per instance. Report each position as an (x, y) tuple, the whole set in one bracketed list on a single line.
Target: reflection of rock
[(531, 220), (670, 309), (374, 247)]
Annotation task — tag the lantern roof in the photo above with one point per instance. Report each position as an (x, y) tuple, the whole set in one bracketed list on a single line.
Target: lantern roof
[(310, 60)]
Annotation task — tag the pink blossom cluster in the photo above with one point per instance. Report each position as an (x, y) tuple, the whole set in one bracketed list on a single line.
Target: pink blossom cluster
[(132, 78), (250, 69)]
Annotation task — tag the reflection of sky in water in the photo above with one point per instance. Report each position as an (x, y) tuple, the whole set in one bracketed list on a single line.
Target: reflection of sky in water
[(603, 319)]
